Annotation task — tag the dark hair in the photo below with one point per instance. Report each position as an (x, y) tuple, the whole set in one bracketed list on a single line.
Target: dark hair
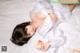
[(19, 35)]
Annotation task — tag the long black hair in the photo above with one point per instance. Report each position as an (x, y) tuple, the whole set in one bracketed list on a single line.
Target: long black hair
[(19, 35)]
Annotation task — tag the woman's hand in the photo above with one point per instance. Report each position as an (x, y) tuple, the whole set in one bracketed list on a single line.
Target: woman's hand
[(43, 46)]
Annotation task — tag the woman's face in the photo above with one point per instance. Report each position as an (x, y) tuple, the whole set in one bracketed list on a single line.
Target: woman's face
[(69, 1)]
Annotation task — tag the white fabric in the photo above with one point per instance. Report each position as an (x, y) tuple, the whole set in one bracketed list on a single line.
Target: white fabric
[(31, 46)]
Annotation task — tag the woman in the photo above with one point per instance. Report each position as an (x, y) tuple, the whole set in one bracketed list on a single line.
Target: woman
[(45, 21)]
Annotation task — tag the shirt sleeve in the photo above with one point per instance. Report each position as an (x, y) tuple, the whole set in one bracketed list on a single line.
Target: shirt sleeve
[(38, 8)]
